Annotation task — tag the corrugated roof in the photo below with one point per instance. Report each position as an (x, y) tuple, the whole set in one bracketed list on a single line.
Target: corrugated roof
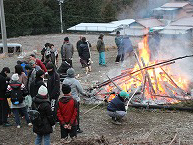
[(109, 27), (175, 30), (149, 23), (174, 5), (183, 22)]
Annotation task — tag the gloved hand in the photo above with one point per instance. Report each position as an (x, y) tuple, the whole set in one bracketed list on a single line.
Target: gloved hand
[(126, 108)]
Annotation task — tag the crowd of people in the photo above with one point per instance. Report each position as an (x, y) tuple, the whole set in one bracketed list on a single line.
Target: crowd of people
[(26, 90)]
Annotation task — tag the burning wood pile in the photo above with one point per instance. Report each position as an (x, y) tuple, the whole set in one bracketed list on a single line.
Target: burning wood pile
[(154, 78)]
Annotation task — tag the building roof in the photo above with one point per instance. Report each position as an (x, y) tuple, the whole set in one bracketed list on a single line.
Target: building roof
[(165, 9), (175, 30), (174, 5), (105, 27), (183, 22), (150, 22)]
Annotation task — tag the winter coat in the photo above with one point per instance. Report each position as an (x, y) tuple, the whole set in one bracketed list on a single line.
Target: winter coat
[(84, 51), (44, 108), (67, 111), (3, 86), (42, 66), (33, 74), (76, 87), (100, 45), (117, 104), (67, 51), (64, 67), (53, 85), (119, 43), (23, 78), (35, 85), (15, 85), (127, 45), (78, 46)]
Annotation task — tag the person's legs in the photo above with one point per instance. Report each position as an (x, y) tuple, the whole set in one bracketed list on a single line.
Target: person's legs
[(100, 59), (46, 139), (3, 111), (73, 131), (24, 111), (64, 132), (117, 58), (38, 139), (103, 58), (122, 57), (120, 114), (78, 119), (16, 116)]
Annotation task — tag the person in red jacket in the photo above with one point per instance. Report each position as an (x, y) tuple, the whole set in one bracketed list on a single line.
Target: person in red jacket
[(67, 114), (38, 62)]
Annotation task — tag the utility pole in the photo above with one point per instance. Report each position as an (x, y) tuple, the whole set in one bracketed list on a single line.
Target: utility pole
[(3, 28), (61, 21)]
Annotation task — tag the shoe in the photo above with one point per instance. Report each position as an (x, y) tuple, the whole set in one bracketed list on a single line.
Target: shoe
[(116, 62), (79, 130), (114, 121), (29, 124), (6, 124), (18, 126), (104, 65)]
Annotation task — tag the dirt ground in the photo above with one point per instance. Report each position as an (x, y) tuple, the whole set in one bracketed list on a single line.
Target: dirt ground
[(140, 126)]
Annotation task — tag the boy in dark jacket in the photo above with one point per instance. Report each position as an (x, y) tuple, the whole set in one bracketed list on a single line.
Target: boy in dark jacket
[(116, 108), (67, 113), (41, 103)]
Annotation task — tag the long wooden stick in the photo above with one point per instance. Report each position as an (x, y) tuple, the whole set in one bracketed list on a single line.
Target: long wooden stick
[(118, 87), (173, 139)]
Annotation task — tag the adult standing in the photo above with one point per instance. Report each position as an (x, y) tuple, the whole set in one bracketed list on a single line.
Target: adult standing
[(78, 49), (4, 107), (101, 50), (35, 68), (76, 91), (43, 51), (38, 62), (118, 42), (53, 86), (67, 51), (84, 53)]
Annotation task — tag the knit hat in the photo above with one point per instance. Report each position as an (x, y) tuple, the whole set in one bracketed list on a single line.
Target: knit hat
[(32, 62), (124, 94), (70, 72), (42, 91), (15, 77), (39, 73), (66, 39), (66, 89), (49, 66)]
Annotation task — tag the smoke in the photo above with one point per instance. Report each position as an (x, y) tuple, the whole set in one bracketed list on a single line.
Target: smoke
[(140, 9), (176, 47)]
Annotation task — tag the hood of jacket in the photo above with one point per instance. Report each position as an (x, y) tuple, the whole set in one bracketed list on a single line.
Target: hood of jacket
[(65, 99), (40, 99)]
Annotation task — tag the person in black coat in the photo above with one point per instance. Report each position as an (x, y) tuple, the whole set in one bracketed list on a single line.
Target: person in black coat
[(53, 86), (41, 103), (35, 85), (4, 107), (84, 53), (116, 107)]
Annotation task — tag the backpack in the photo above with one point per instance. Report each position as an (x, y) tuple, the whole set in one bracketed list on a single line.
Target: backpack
[(16, 96), (35, 116)]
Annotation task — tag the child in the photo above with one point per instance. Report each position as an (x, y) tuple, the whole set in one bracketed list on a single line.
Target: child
[(17, 92), (67, 114), (41, 103)]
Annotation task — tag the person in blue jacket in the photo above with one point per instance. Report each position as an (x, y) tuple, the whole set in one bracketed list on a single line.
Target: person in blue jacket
[(116, 107)]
